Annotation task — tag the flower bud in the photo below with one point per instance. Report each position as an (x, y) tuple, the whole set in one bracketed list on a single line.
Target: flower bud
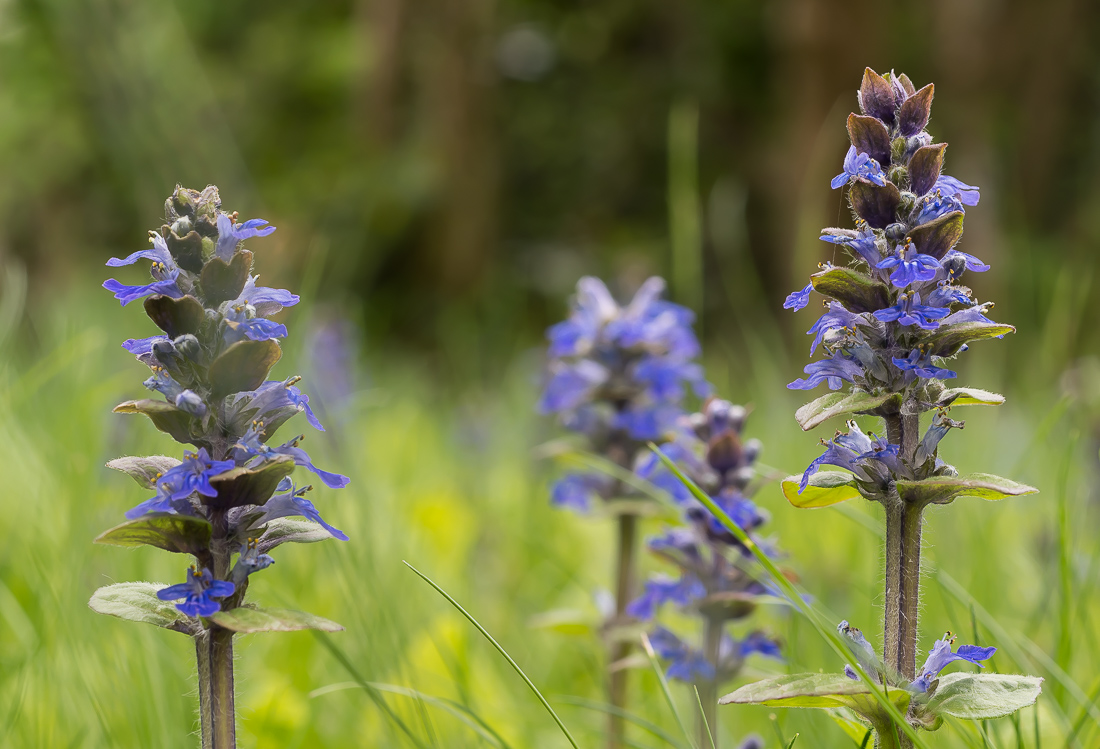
[(895, 232)]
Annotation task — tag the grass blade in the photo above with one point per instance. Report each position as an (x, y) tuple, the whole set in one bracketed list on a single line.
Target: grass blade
[(500, 650), (457, 710), (703, 715), (375, 697), (785, 585), (626, 715), (664, 685)]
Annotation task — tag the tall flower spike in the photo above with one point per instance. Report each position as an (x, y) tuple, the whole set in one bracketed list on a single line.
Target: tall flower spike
[(895, 315), (718, 580), (210, 365), (618, 375)]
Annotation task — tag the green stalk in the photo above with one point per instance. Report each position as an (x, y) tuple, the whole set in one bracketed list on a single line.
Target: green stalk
[(215, 657), (708, 690), (624, 593)]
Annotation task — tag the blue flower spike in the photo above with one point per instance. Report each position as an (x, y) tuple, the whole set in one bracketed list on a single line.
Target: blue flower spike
[(717, 581), (229, 494), (898, 318)]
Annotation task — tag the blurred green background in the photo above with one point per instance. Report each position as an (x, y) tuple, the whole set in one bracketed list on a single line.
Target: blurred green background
[(441, 173)]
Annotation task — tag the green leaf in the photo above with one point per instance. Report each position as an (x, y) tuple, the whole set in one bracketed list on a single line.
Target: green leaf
[(165, 417), (948, 339), (245, 620), (982, 696), (290, 530), (839, 404), (138, 602), (944, 489), (564, 622), (249, 486), (144, 470), (243, 366), (855, 730), (175, 317), (969, 397), (824, 488), (812, 690), (222, 281), (177, 533), (857, 291)]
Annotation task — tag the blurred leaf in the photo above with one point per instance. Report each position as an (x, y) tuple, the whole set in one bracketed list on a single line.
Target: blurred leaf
[(948, 339), (246, 620), (165, 417), (222, 281), (982, 696), (177, 533), (824, 488), (857, 291), (969, 397), (838, 404), (243, 366), (175, 317), (249, 486), (138, 602), (564, 622), (144, 469), (855, 730), (943, 489), (290, 530)]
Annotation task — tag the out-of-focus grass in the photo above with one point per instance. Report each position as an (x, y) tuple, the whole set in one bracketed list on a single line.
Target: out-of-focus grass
[(450, 484)]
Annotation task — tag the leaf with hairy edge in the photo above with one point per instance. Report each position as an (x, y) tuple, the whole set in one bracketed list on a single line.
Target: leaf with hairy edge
[(857, 291), (825, 488), (165, 417), (249, 486), (243, 366), (290, 530), (175, 317), (871, 137), (222, 281), (138, 602), (177, 533), (144, 469), (246, 620), (948, 339), (812, 690), (982, 696), (944, 489), (939, 235), (839, 404), (874, 204), (969, 397), (924, 167)]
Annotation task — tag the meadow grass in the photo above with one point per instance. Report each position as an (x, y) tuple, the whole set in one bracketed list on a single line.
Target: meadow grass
[(448, 479)]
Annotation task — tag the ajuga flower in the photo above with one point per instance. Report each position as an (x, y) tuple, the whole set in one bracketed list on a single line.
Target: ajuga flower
[(895, 314), (718, 581), (618, 375), (230, 496)]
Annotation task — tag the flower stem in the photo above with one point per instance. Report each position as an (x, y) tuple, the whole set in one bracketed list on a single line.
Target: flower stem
[(214, 649), (903, 539), (708, 689), (624, 593), (886, 735)]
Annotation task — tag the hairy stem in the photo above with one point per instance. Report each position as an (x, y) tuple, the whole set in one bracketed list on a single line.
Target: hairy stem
[(624, 593), (903, 539), (214, 649), (206, 722), (708, 690), (886, 735)]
